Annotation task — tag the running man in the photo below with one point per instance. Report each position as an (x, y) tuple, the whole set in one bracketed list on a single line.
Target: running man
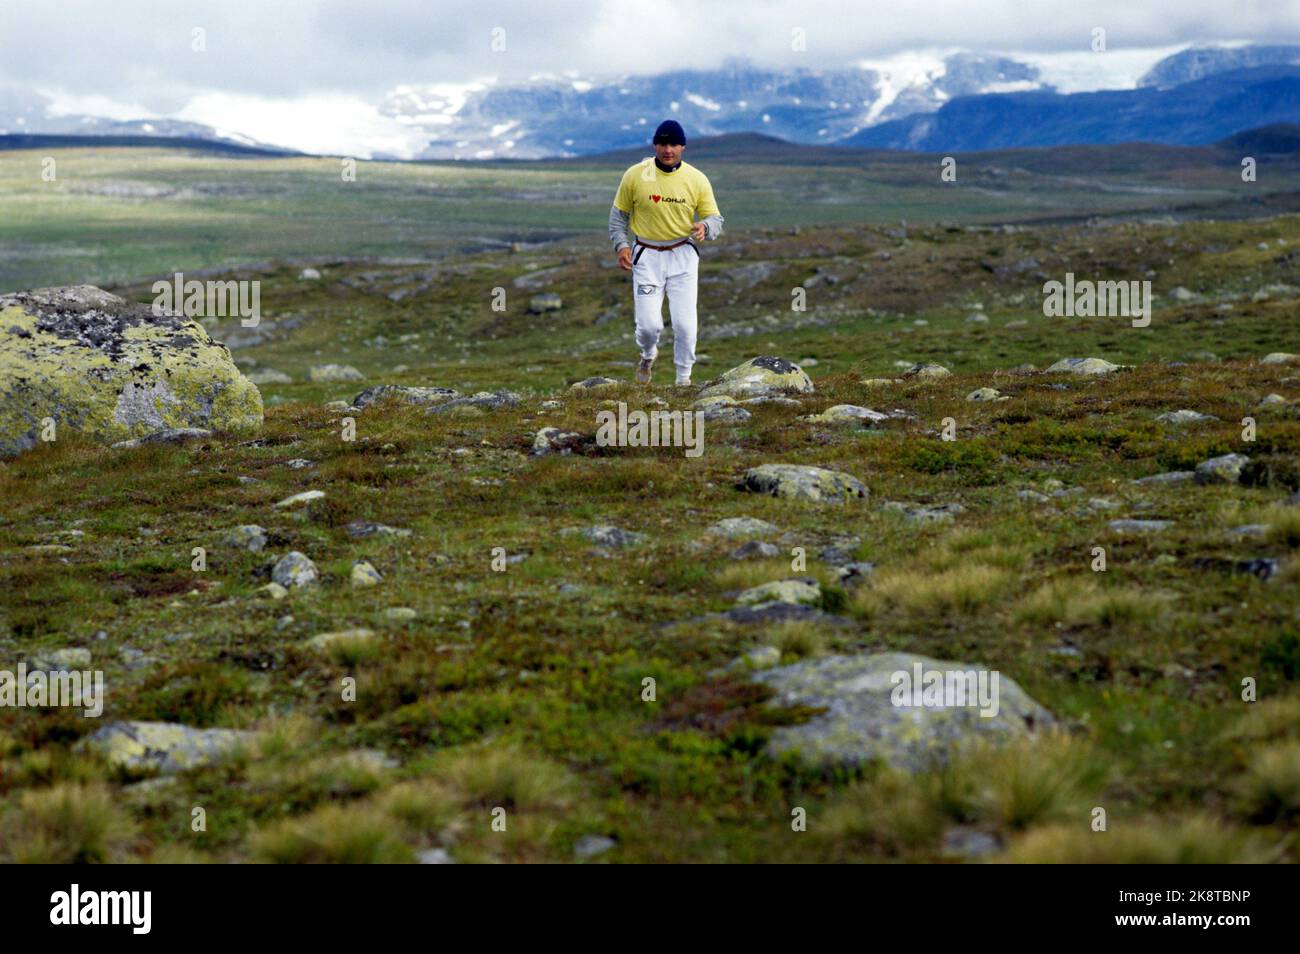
[(652, 225)]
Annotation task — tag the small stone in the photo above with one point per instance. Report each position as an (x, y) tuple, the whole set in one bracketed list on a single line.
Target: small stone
[(607, 536), (1083, 366), (547, 301), (1184, 417), (799, 482), (1278, 357), (294, 569), (325, 641), (399, 614), (335, 372), (360, 529), (435, 856), (1221, 470), (926, 370), (167, 435), (985, 394), (274, 591), (755, 549), (309, 275), (588, 846), (764, 657), (593, 384), (60, 660), (1139, 526), (307, 496), (806, 591), (738, 528), (364, 574), (1169, 477), (1269, 400)]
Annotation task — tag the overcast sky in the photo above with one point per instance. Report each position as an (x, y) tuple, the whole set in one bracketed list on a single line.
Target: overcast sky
[(133, 58)]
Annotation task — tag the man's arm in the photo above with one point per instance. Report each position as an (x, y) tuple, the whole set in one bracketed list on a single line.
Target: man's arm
[(620, 228), (707, 209)]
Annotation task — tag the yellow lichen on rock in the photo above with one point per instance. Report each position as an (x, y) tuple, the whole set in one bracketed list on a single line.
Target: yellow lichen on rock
[(95, 363)]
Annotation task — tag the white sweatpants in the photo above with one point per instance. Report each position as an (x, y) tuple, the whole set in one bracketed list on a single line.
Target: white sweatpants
[(675, 271)]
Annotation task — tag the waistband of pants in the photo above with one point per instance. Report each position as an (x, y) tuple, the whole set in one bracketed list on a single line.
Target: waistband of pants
[(662, 246)]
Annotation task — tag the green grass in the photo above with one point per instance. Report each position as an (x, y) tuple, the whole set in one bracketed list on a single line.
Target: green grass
[(522, 689)]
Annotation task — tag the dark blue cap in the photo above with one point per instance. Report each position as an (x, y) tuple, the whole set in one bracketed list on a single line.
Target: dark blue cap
[(670, 132)]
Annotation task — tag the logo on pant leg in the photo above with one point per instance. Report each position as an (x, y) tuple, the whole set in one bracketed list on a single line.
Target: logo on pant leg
[(646, 289)]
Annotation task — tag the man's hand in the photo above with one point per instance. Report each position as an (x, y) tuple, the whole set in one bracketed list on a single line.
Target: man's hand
[(625, 258), (698, 231)]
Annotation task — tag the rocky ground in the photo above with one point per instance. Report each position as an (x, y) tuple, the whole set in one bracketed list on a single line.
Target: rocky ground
[(436, 620)]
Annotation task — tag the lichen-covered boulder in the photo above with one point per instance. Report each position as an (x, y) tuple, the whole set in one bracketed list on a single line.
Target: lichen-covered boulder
[(165, 747), (1221, 470), (104, 366), (761, 376), (799, 482), (878, 708)]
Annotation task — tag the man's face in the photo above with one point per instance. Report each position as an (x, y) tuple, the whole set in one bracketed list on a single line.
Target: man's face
[(668, 154)]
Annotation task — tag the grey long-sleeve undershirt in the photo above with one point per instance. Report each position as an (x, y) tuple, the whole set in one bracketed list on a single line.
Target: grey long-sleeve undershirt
[(620, 229)]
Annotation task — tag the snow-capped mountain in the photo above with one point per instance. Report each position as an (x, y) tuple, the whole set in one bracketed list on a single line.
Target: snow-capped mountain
[(571, 115), (946, 99)]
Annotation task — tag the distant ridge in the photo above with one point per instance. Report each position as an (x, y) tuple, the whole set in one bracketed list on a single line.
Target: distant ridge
[(60, 141)]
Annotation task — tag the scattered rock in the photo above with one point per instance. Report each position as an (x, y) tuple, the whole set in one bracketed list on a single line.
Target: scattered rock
[(552, 440), (799, 482), (764, 657), (862, 723), (854, 574), (939, 514), (269, 376), (1269, 400), (738, 528), (60, 660), (547, 301), (1279, 357), (759, 377), (805, 590), (1221, 470), (986, 394), (926, 370), (399, 392), (1083, 366), (1139, 526), (399, 614), (309, 275), (164, 747), (1169, 477), (307, 496), (846, 413), (326, 641), (364, 574), (249, 537), (593, 384), (607, 536), (1184, 417), (360, 529), (589, 846), (168, 435), (483, 400), (754, 549), (335, 372), (294, 569)]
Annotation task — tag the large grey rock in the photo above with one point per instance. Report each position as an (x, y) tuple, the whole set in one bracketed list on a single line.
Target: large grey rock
[(98, 364), (799, 482), (862, 723)]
